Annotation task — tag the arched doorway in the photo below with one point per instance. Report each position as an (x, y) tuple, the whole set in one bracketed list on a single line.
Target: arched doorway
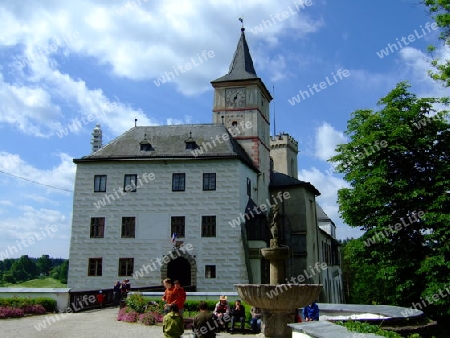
[(180, 269)]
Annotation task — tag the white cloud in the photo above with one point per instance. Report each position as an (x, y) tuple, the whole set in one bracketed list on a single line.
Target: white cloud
[(28, 108), (46, 228), (327, 138), (61, 176)]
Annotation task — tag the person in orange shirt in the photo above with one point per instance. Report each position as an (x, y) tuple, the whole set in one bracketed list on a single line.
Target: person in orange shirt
[(171, 294), (181, 296)]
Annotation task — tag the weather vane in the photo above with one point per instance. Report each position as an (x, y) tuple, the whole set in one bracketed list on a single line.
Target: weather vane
[(242, 21)]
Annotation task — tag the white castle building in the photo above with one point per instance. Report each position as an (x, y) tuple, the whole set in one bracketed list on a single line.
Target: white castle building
[(191, 202)]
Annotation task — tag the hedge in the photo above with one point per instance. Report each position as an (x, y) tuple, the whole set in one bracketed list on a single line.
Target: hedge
[(20, 302)]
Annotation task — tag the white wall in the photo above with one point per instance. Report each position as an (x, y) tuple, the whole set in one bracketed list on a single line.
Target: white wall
[(153, 204)]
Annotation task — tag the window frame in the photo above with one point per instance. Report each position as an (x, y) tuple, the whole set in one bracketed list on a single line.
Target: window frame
[(176, 186), (208, 178), (180, 234), (212, 271), (126, 267), (132, 233), (93, 226), (97, 267), (130, 177), (97, 187), (206, 232)]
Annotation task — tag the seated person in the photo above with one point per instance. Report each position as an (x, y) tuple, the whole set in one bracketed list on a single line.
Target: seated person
[(311, 312), (222, 312), (238, 314), (255, 321), (204, 324)]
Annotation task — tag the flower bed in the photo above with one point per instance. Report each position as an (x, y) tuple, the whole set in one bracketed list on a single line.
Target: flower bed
[(16, 307)]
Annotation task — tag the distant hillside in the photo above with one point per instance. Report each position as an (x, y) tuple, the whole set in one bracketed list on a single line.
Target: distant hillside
[(37, 283)]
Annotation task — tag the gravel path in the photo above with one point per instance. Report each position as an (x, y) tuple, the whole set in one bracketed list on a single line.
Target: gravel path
[(94, 323)]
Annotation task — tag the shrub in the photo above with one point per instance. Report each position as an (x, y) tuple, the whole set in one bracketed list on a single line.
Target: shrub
[(10, 312), (34, 309), (47, 303), (136, 302), (127, 315), (147, 318), (20, 302)]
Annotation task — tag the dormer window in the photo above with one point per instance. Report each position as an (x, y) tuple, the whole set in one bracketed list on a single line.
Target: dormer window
[(190, 143), (145, 144)]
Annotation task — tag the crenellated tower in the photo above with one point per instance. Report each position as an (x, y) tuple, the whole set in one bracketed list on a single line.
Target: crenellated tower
[(283, 152)]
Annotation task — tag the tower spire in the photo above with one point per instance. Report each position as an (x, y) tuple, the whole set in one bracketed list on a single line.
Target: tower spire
[(241, 67)]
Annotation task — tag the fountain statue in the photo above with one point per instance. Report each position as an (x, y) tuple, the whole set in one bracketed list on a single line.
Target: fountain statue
[(277, 301)]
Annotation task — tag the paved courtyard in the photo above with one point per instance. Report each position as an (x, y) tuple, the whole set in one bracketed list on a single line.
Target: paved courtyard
[(94, 323)]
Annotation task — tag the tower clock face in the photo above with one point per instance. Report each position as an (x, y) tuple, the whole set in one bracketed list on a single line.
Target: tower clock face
[(235, 97)]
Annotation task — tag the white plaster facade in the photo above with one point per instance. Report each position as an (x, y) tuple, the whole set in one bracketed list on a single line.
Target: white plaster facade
[(153, 204)]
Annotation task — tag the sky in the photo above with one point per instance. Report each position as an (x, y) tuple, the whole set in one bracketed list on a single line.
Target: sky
[(67, 65)]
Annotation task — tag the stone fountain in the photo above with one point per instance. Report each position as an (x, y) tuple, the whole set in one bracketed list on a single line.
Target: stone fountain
[(278, 302)]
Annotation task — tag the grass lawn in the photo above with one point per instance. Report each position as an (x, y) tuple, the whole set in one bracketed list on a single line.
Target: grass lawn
[(46, 282)]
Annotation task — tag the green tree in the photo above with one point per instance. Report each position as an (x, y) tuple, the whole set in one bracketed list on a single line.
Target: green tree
[(44, 265), (61, 272), (440, 12), (397, 164), (23, 269)]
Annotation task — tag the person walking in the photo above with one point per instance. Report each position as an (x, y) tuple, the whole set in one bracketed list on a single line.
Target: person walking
[(173, 326)]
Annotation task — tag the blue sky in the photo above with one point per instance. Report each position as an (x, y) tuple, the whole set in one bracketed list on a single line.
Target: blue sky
[(61, 62)]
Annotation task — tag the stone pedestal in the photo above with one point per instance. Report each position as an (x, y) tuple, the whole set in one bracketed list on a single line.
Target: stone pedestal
[(278, 304), (277, 258)]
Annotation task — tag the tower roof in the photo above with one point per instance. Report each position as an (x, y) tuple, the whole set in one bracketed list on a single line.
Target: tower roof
[(241, 68)]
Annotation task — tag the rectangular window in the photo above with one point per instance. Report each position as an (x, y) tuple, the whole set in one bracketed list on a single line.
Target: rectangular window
[(178, 182), (208, 226), (128, 227), (209, 181), (100, 183), (177, 225), (126, 266), (249, 187), (210, 271), (97, 227), (95, 267), (129, 183)]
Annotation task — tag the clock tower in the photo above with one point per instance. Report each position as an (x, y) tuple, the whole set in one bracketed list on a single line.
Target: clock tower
[(241, 103)]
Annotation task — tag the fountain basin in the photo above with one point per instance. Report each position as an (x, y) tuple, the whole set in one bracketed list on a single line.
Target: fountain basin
[(279, 297)]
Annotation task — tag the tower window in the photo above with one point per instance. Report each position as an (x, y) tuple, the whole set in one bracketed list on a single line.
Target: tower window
[(234, 124)]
